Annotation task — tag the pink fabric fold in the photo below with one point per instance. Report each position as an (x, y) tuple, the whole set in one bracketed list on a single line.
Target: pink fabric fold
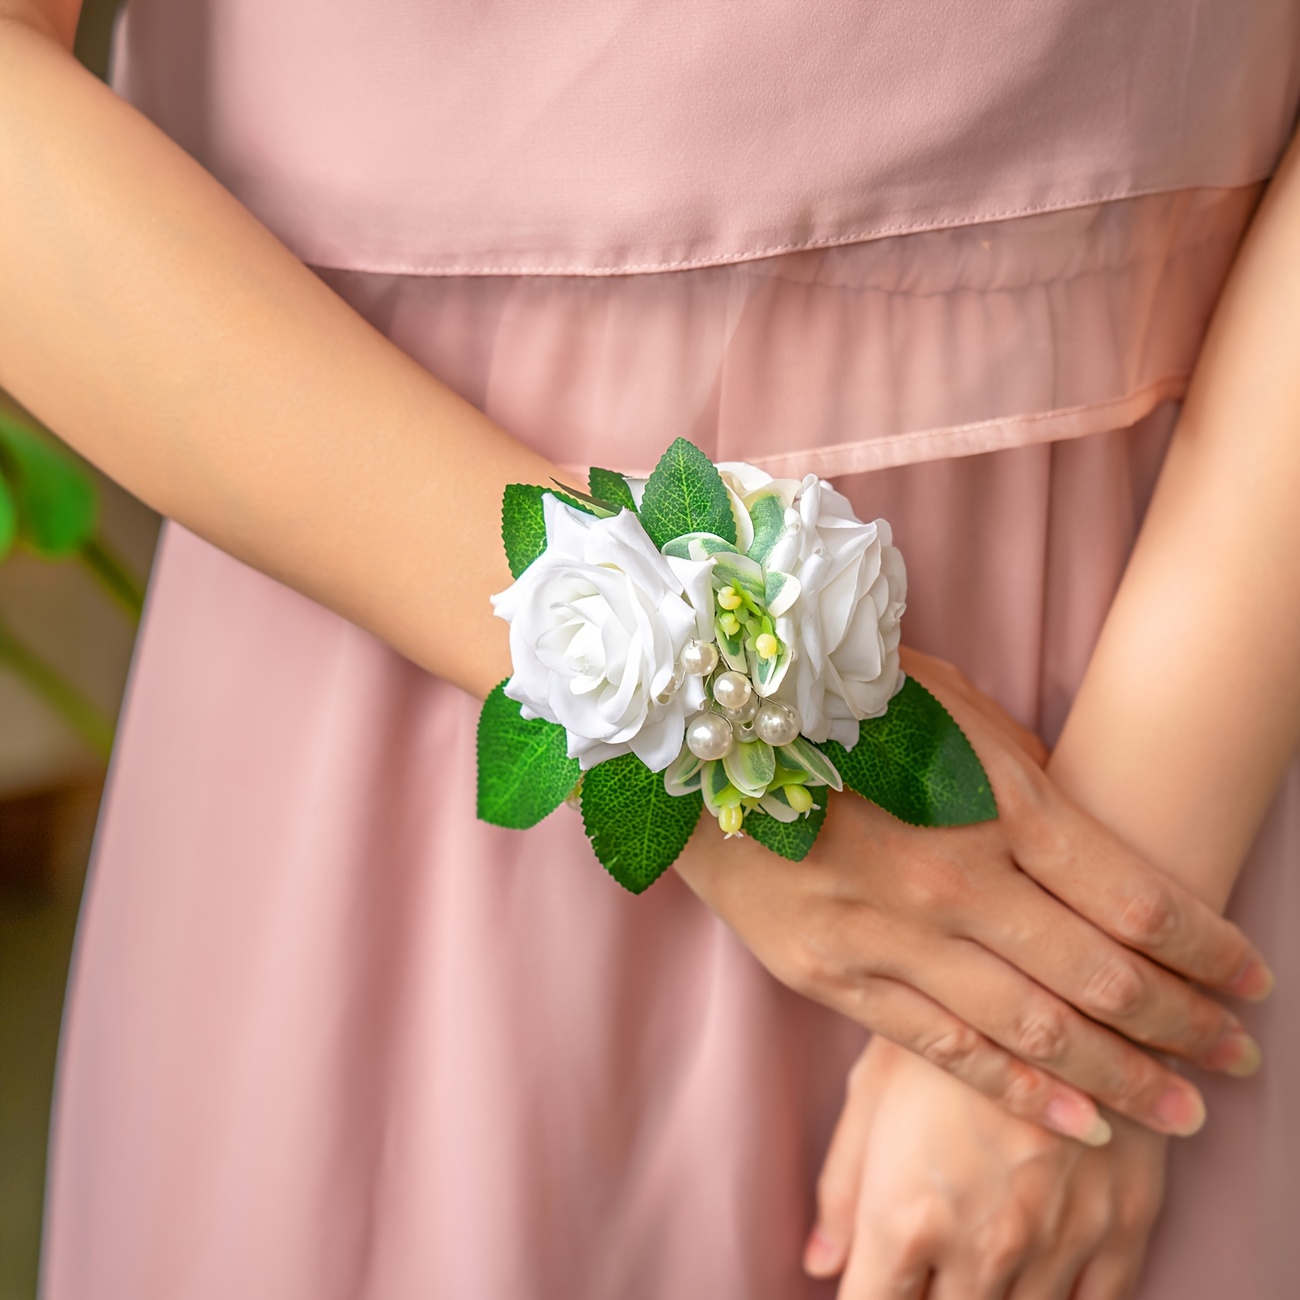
[(835, 361)]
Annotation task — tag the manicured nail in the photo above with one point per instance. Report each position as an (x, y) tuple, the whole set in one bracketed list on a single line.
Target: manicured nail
[(821, 1256), (1074, 1118), (1254, 981), (1180, 1111)]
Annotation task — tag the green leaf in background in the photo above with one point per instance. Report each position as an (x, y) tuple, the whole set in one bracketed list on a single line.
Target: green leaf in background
[(523, 522), (58, 506), (524, 771), (686, 494), (636, 827), (917, 764), (792, 840), (606, 485), (8, 519)]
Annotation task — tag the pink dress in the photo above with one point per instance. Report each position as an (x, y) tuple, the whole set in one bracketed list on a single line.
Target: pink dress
[(329, 1037)]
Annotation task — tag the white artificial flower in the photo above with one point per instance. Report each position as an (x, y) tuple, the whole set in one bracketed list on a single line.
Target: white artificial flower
[(844, 624), (597, 626)]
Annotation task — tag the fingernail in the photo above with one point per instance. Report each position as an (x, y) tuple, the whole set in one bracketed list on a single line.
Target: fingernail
[(1180, 1111), (1248, 1059), (1236, 1053), (1254, 982), (1074, 1118), (821, 1256)]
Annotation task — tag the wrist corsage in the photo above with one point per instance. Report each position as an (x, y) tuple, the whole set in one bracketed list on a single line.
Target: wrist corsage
[(708, 638)]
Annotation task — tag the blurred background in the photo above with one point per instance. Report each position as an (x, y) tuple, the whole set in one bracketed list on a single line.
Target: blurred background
[(74, 555)]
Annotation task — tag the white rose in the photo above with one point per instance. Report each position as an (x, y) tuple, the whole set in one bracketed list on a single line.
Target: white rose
[(597, 626), (845, 621)]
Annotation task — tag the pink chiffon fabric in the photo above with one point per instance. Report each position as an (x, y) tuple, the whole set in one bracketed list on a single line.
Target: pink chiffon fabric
[(328, 1035)]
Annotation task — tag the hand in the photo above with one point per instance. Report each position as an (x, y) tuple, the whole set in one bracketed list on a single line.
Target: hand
[(928, 1183), (995, 950)]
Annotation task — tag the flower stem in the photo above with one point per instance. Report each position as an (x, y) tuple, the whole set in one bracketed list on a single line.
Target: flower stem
[(84, 718), (113, 576)]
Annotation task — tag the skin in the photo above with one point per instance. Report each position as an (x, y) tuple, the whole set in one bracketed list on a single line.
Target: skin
[(925, 1184), (170, 338)]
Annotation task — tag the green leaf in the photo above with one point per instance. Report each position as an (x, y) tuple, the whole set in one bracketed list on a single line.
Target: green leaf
[(793, 840), (780, 591), (636, 827), (606, 485), (731, 647), (8, 519), (741, 573), (58, 505), (717, 791), (524, 771), (750, 766), (916, 763), (768, 516), (682, 775), (523, 522), (697, 546), (802, 754), (686, 494)]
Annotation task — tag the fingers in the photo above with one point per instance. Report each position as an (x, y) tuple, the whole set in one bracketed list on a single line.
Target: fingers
[(1113, 1276), (1027, 1020), (827, 1250), (1111, 983), (918, 1022), (1074, 857), (971, 1279)]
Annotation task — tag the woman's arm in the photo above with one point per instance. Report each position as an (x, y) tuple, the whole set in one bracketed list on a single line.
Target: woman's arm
[(1187, 714), (154, 323), (1190, 707)]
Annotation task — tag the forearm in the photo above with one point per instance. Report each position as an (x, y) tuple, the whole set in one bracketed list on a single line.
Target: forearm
[(151, 321), (1190, 707)]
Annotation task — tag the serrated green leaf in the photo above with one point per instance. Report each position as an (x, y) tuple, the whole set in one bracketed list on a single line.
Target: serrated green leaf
[(793, 840), (8, 519), (686, 494), (767, 513), (636, 827), (57, 502), (916, 763), (523, 522), (523, 526), (780, 591), (524, 771), (606, 485)]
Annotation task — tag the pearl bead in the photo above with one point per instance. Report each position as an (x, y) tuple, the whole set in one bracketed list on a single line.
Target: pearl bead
[(745, 713), (700, 658), (732, 690), (776, 724), (708, 736)]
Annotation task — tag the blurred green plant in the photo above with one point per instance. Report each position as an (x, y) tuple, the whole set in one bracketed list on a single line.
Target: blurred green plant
[(49, 507)]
